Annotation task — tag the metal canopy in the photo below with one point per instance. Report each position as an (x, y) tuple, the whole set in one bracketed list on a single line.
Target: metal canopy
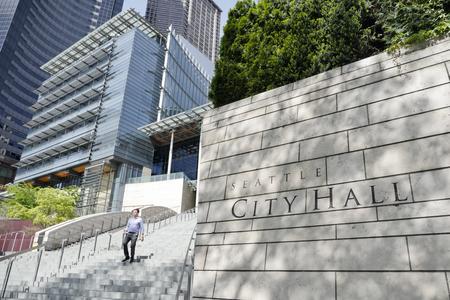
[(184, 125), (118, 25)]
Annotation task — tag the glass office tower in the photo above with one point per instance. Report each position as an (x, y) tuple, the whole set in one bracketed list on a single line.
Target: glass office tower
[(85, 123), (31, 33), (198, 21)]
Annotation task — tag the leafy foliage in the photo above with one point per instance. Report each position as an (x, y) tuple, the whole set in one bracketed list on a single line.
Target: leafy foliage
[(409, 22), (45, 206), (274, 42)]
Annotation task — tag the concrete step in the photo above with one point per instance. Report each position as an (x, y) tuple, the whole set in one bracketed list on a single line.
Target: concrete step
[(102, 275)]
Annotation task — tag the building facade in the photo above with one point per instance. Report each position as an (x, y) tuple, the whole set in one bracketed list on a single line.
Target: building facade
[(84, 129), (31, 33), (196, 20)]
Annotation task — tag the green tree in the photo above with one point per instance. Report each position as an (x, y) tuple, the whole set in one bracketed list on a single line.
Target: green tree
[(407, 22), (275, 42), (230, 80), (44, 206)]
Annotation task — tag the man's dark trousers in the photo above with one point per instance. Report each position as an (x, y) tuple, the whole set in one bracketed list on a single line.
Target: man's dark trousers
[(130, 236)]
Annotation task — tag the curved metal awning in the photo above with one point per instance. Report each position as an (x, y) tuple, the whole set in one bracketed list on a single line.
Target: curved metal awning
[(184, 125)]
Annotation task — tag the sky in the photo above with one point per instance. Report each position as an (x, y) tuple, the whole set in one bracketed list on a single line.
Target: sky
[(225, 5)]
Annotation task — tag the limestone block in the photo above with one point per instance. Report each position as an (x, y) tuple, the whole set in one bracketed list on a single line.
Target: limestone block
[(388, 190), (231, 106), (324, 76), (209, 152), (281, 235), (261, 123), (238, 117), (413, 156), (204, 283), (259, 105), (327, 124), (395, 86), (207, 126), (391, 285), (236, 257), (365, 62), (211, 189), (258, 206), (230, 226), (209, 239), (345, 167), (206, 117), (394, 228), (430, 252), (324, 146), (398, 130), (202, 212), (356, 254), (213, 136), (415, 210), (417, 102), (205, 228), (200, 256), (240, 145), (204, 170), (280, 105), (272, 93), (317, 108), (418, 59), (360, 77), (431, 185), (312, 219), (281, 178), (275, 285), (258, 159), (362, 68), (391, 69)]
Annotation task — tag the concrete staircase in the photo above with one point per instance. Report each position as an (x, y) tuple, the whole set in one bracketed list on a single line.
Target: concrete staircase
[(100, 274)]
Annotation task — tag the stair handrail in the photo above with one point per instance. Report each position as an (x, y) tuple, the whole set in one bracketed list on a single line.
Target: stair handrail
[(184, 267)]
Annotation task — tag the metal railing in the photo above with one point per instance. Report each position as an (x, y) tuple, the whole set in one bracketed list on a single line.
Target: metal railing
[(187, 268), (46, 264), (7, 238)]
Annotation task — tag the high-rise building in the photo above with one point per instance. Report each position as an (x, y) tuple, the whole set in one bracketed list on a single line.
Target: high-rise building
[(84, 129), (31, 33), (198, 21)]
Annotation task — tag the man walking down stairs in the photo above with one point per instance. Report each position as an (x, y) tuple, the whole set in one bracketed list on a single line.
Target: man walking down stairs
[(155, 273)]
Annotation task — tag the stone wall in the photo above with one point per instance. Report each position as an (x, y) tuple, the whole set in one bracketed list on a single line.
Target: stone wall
[(333, 187)]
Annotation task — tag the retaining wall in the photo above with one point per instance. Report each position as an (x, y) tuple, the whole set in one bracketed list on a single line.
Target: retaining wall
[(333, 187)]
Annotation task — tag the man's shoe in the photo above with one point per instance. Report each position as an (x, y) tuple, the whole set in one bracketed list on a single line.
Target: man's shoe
[(125, 259), (131, 260)]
